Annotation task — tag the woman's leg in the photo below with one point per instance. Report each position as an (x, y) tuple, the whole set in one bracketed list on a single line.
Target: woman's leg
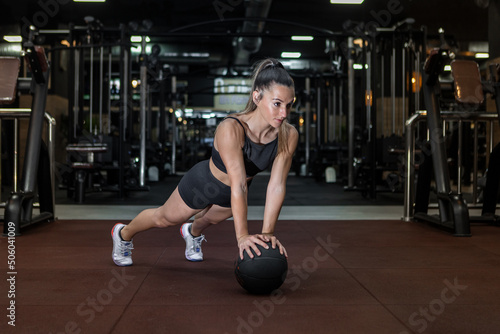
[(192, 232), (173, 212), (210, 216)]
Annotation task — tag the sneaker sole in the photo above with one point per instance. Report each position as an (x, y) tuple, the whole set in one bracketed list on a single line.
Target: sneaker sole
[(121, 265), (192, 260)]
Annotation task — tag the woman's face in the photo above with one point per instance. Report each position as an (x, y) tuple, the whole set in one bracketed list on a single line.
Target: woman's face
[(275, 103)]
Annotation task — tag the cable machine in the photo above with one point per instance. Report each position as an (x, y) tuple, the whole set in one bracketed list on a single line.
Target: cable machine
[(383, 91)]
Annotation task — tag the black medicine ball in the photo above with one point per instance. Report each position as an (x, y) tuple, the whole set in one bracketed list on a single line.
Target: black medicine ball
[(264, 273)]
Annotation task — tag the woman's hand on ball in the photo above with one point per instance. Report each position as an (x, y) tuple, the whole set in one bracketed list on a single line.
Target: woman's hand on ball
[(249, 242), (275, 242)]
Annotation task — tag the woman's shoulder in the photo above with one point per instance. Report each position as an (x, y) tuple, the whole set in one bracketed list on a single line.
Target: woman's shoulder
[(233, 118), (230, 127), (292, 130), (231, 122)]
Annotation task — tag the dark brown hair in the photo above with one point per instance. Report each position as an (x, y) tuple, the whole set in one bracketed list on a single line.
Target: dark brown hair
[(266, 73)]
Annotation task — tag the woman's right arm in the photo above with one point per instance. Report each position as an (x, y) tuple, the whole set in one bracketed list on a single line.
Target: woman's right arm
[(229, 139)]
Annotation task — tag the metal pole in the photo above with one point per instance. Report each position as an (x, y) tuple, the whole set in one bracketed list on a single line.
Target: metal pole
[(372, 112), (142, 121), (308, 123), (403, 88), (174, 121), (382, 93), (369, 94), (124, 87), (110, 59), (16, 153), (329, 93), (341, 109), (51, 121), (334, 104), (417, 81), (319, 116), (101, 84), (409, 167), (393, 86), (474, 172), (149, 114), (162, 124), (351, 110), (76, 92), (326, 115), (491, 145), (459, 156), (91, 101)]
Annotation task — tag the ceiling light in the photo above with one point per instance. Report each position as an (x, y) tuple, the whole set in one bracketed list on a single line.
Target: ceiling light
[(138, 39), (13, 38), (302, 38), (195, 54), (359, 66), (290, 55), (346, 2), (482, 55)]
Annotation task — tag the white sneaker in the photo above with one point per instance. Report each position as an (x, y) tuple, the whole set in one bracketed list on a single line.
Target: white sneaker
[(193, 245), (122, 250)]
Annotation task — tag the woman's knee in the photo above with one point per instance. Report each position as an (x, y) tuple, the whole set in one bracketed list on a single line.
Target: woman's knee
[(160, 219), (212, 218), (208, 221)]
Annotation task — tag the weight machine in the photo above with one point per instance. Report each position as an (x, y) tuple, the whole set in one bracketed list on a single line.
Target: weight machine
[(469, 95), (37, 170)]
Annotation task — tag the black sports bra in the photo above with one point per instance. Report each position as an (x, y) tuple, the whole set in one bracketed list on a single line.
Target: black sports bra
[(257, 157)]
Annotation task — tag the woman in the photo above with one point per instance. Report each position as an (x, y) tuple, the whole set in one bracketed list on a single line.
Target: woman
[(214, 190)]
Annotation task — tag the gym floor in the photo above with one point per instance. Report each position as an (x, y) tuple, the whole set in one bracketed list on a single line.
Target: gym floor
[(355, 267)]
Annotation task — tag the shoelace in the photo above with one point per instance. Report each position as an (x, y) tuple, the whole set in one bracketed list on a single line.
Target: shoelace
[(126, 247), (197, 242)]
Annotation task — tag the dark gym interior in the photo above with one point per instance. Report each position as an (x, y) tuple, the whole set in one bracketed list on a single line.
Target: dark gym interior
[(389, 217)]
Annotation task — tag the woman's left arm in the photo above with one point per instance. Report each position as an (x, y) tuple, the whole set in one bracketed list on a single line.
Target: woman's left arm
[(276, 189)]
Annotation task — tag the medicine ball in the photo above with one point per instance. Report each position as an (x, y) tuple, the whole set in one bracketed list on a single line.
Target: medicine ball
[(264, 273)]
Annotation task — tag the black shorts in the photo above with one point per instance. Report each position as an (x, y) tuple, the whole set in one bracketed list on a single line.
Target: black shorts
[(199, 188)]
